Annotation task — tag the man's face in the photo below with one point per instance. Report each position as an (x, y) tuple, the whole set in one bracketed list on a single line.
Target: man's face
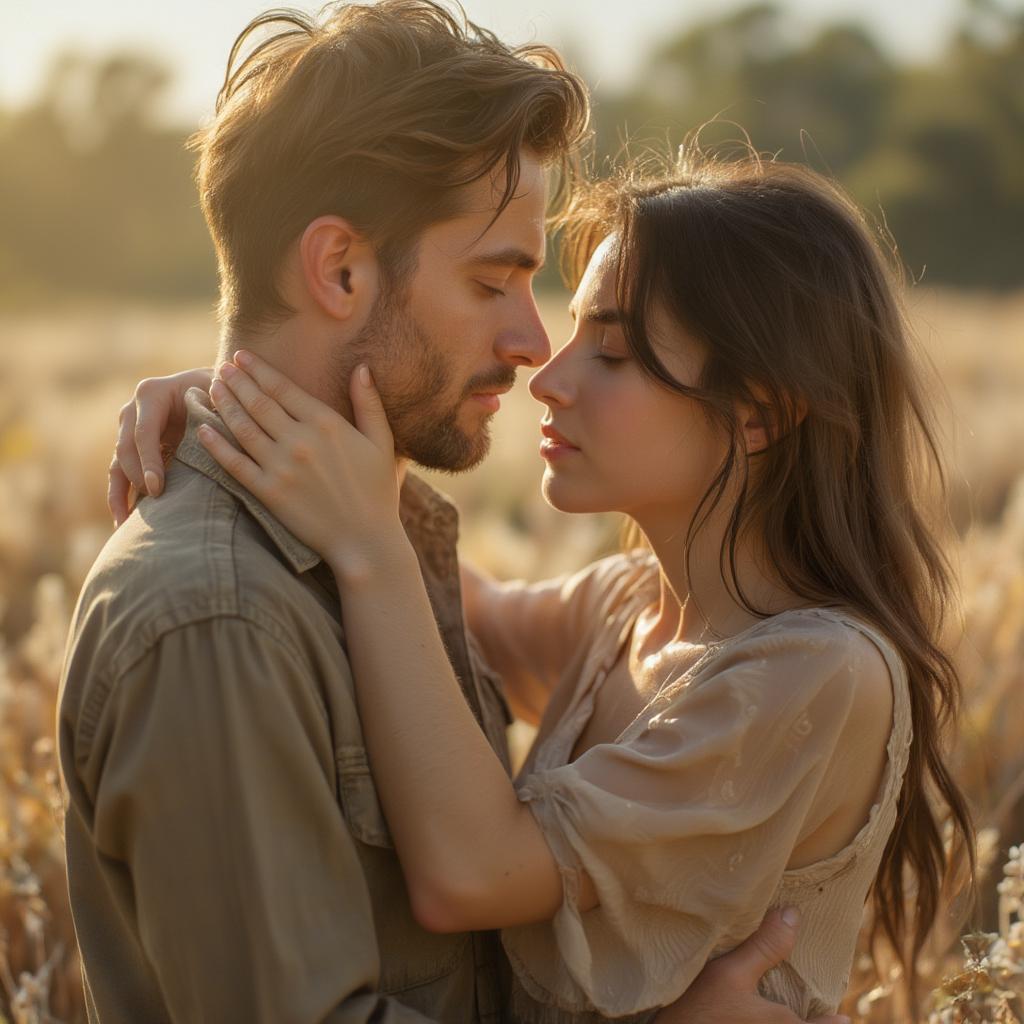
[(449, 344)]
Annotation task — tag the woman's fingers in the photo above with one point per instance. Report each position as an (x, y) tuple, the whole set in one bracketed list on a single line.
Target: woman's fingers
[(260, 405), (368, 410), (125, 454), (237, 463), (299, 404), (118, 488), (152, 411), (249, 434)]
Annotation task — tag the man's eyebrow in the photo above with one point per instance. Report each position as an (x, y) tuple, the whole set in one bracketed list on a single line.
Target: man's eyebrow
[(596, 315), (510, 257)]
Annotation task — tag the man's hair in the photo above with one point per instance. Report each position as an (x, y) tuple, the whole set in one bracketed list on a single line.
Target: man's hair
[(376, 113)]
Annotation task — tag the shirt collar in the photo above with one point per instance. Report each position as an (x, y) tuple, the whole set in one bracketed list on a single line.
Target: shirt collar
[(192, 452), (430, 518)]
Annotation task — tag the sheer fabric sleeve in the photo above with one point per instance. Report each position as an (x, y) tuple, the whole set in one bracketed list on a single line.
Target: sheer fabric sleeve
[(686, 824), (531, 632)]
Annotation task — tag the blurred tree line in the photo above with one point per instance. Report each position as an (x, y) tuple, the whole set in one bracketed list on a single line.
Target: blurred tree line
[(96, 196), (934, 152)]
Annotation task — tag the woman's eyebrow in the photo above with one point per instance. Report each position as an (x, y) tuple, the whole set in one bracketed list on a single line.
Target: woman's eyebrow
[(597, 315)]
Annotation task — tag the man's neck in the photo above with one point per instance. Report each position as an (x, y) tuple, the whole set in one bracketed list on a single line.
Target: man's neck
[(282, 347), (295, 349)]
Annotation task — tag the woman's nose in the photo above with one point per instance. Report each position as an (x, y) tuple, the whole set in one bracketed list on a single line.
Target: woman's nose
[(551, 384)]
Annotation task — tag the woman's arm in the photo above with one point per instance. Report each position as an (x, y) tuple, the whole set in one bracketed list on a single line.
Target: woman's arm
[(533, 634), (472, 854), (516, 624), (526, 694)]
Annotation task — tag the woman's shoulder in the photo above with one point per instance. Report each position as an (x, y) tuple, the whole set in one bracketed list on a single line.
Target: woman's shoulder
[(871, 659), (810, 651), (608, 583), (623, 565), (817, 631)]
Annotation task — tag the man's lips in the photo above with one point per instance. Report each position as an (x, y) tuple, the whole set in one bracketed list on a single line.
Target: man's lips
[(490, 398)]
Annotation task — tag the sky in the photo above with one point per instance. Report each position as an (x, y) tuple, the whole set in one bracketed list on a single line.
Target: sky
[(607, 38)]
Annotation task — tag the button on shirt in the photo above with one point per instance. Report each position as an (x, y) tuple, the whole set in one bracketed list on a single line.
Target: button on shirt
[(227, 855)]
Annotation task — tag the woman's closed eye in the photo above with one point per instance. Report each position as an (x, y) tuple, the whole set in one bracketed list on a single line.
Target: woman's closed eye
[(610, 351)]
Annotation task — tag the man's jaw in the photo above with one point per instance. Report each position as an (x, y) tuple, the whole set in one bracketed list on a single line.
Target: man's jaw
[(462, 433)]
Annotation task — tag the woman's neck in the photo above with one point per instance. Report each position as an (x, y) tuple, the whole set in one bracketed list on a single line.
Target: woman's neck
[(696, 605)]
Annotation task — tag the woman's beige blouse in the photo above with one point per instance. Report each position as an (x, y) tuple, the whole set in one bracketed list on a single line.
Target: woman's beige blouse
[(686, 822)]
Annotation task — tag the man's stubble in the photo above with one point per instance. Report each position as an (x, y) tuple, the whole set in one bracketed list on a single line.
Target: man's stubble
[(414, 377)]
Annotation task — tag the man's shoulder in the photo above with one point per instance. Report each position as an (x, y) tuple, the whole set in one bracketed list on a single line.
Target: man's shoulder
[(191, 556)]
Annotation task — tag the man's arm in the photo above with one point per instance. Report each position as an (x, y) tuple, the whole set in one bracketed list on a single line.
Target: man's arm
[(725, 991), (213, 781)]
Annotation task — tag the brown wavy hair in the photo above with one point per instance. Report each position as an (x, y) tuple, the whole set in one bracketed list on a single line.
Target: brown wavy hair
[(777, 272), (378, 113)]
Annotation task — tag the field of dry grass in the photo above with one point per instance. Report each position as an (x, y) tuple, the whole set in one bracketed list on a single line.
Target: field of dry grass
[(63, 378)]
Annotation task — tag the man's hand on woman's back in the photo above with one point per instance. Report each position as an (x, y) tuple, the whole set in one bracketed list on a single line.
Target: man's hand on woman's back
[(725, 992)]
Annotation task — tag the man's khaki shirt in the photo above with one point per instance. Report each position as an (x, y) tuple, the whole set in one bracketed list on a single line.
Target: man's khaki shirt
[(227, 856)]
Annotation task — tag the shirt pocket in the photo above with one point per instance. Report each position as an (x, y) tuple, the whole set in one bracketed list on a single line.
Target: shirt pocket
[(359, 801)]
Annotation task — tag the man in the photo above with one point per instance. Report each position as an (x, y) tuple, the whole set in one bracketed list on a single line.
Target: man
[(375, 188)]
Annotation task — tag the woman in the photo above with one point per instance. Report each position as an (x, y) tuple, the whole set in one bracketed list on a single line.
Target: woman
[(741, 713)]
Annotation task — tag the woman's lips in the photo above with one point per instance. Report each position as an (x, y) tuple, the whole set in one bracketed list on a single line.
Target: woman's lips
[(554, 445)]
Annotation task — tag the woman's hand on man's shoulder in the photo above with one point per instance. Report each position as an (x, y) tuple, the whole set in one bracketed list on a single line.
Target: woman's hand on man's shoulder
[(151, 420)]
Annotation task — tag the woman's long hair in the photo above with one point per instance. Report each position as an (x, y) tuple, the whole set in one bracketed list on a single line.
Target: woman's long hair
[(774, 269)]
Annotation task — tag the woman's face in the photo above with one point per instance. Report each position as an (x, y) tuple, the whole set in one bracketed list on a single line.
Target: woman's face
[(615, 439)]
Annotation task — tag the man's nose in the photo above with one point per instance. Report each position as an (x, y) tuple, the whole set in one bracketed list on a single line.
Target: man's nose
[(526, 344)]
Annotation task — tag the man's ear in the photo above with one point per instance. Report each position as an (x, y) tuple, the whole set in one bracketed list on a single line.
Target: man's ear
[(339, 268), (764, 423)]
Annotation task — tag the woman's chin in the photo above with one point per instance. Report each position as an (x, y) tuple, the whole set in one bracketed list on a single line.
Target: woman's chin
[(566, 496)]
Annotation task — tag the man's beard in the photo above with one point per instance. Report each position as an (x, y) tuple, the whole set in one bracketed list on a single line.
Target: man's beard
[(413, 376)]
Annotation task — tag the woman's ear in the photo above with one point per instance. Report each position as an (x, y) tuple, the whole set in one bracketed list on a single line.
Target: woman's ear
[(339, 268), (754, 421), (763, 422)]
